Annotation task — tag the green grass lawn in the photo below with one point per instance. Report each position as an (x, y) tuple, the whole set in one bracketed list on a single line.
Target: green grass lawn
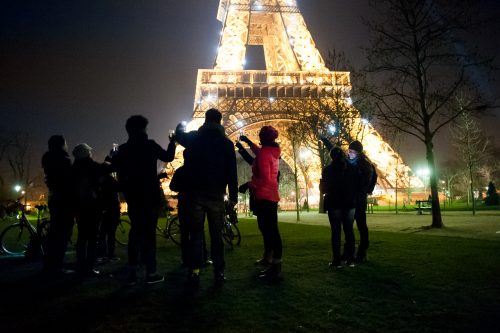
[(413, 282)]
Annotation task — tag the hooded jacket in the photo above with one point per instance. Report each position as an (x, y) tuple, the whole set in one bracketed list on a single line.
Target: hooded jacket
[(265, 168)]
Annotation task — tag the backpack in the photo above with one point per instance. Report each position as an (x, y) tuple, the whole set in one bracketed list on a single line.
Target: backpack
[(373, 180)]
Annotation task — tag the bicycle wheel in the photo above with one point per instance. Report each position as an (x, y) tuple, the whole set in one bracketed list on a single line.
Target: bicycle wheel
[(174, 230), (122, 231), (15, 239)]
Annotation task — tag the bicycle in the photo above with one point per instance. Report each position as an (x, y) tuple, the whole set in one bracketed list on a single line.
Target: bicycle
[(171, 231), (172, 228), (230, 231), (22, 237)]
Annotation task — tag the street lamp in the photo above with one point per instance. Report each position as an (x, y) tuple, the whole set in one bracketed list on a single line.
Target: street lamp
[(17, 188), (424, 173)]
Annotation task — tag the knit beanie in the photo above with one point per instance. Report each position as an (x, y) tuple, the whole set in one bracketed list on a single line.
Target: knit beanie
[(268, 134), (357, 146)]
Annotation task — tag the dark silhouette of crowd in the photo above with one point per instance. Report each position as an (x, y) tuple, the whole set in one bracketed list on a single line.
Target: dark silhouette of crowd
[(87, 192)]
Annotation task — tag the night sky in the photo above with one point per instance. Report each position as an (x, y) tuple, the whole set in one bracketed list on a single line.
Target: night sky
[(81, 68)]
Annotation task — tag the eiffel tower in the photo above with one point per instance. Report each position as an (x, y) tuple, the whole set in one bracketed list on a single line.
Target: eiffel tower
[(295, 79)]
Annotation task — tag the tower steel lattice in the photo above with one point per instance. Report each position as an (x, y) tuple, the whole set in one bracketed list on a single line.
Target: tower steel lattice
[(295, 81)]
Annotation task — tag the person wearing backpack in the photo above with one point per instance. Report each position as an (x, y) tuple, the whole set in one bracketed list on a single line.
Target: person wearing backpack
[(367, 178)]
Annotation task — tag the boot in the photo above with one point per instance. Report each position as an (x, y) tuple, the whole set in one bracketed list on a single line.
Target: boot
[(272, 273)]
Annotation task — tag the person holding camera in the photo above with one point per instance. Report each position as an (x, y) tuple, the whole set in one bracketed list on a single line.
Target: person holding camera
[(209, 168), (136, 165), (264, 187)]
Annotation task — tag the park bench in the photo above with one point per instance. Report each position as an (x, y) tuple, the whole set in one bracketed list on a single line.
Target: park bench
[(423, 206)]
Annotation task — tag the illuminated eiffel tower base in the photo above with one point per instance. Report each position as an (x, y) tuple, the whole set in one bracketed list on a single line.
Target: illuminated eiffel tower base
[(296, 79)]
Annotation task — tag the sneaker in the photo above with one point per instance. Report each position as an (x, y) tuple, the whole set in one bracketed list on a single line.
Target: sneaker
[(350, 263), (154, 278), (335, 264), (132, 279), (114, 259)]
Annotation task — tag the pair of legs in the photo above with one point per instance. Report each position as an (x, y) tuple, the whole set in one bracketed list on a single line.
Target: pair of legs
[(267, 220), (107, 231), (199, 206), (61, 227), (342, 219), (184, 230), (87, 220), (142, 236), (360, 217)]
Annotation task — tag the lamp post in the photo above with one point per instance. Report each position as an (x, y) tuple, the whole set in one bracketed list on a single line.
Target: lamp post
[(424, 173)]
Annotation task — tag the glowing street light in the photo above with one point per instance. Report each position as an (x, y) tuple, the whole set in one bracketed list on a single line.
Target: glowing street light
[(17, 188), (423, 174)]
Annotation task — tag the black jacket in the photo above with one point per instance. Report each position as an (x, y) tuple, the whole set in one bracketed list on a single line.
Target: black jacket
[(137, 170), (210, 161), (86, 175), (340, 184), (56, 165)]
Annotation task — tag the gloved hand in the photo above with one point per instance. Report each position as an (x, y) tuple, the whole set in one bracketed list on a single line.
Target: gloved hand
[(243, 188), (244, 138), (239, 145), (324, 139)]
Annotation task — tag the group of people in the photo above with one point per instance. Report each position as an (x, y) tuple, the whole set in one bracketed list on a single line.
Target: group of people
[(86, 191), (346, 182)]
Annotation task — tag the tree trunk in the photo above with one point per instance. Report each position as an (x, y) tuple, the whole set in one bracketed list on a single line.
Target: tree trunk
[(437, 221)]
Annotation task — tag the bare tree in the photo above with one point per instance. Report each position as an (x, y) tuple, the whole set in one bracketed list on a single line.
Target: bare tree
[(419, 69), (295, 136), (471, 145)]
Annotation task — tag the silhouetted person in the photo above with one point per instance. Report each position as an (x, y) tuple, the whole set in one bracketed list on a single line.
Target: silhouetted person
[(338, 182), (210, 166), (86, 174), (56, 165), (364, 170), (264, 187), (110, 203), (136, 166)]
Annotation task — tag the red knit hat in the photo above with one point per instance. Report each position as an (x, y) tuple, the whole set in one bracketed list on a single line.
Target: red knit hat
[(268, 134)]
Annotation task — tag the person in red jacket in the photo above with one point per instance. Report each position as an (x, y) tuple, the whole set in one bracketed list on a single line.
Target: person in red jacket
[(264, 186)]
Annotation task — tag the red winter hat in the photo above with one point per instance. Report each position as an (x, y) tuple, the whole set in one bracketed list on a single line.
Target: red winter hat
[(268, 134)]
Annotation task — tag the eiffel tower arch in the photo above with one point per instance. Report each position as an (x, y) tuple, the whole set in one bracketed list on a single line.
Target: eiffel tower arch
[(295, 81)]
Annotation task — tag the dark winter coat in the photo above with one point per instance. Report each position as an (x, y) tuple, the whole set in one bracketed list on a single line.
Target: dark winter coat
[(56, 165), (137, 170), (363, 170), (210, 161), (340, 184), (86, 175)]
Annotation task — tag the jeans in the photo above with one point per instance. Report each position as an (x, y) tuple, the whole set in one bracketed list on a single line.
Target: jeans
[(360, 217), (342, 219), (198, 206)]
